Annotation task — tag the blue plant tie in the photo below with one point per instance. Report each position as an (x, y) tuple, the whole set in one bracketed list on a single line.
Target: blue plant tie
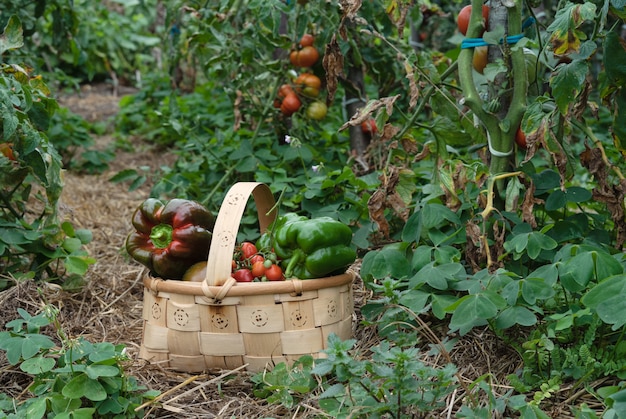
[(513, 39)]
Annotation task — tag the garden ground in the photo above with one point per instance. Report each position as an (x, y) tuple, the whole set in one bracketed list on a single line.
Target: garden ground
[(109, 307)]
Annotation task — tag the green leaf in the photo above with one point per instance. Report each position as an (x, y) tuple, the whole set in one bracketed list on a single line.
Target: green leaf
[(78, 264), (390, 261), (95, 371), (568, 82), (515, 315), (615, 58), (556, 200), (62, 405), (71, 244), (333, 391), (415, 300), (37, 365), (538, 242), (124, 175), (547, 179), (470, 311), (606, 265), (435, 215), (37, 408), (12, 37), (33, 343), (440, 302), (447, 254), (534, 289), (608, 299), (436, 276), (83, 386), (449, 132), (575, 273), (577, 194), (13, 348)]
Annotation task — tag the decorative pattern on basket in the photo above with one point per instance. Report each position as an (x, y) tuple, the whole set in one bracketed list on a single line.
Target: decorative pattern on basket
[(220, 323)]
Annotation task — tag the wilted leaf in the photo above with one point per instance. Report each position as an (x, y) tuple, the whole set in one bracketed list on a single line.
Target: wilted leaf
[(333, 67), (12, 36), (565, 37)]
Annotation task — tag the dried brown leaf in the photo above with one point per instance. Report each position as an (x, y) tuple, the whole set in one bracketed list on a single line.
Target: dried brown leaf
[(474, 252), (376, 206), (367, 111), (528, 205), (414, 92), (333, 67)]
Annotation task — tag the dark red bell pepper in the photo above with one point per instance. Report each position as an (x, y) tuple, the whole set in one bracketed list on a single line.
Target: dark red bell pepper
[(170, 237)]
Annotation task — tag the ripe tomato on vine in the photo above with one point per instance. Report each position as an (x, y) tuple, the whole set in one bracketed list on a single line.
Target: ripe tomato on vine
[(464, 17), (305, 57)]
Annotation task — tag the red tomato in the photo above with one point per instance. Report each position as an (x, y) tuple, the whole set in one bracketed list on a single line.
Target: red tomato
[(234, 266), (307, 40), (7, 150), (308, 84), (258, 269), (243, 275), (256, 258), (462, 21), (274, 273), (369, 127), (520, 139), (248, 249), (305, 57), (290, 104), (284, 90)]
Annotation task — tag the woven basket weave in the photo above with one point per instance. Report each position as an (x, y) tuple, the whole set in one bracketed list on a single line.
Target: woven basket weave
[(221, 323)]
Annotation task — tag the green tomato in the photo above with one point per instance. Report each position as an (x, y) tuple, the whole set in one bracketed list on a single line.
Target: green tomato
[(317, 110)]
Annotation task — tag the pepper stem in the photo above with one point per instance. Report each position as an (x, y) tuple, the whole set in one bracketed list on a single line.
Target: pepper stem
[(295, 259), (161, 235)]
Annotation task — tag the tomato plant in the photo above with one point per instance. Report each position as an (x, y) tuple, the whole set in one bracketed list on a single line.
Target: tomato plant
[(305, 57), (317, 110), (464, 17)]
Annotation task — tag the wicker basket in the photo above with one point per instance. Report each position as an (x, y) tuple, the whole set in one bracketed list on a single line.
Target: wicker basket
[(221, 323)]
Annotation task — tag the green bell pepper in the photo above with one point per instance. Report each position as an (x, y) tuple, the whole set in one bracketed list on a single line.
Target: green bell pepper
[(312, 248)]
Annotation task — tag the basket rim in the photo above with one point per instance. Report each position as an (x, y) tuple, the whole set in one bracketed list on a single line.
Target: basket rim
[(239, 289)]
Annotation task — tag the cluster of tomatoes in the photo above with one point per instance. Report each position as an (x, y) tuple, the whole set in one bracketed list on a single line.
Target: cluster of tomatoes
[(251, 265), (305, 86)]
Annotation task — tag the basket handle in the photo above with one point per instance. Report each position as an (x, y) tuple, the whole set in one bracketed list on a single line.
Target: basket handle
[(227, 225)]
